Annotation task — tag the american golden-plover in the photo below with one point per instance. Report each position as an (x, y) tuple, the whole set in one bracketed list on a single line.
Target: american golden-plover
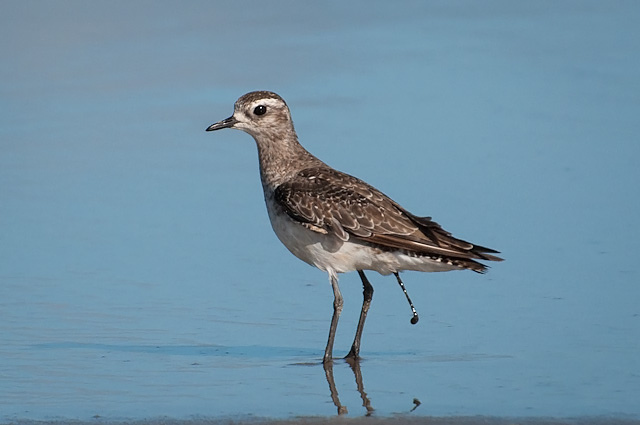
[(337, 222)]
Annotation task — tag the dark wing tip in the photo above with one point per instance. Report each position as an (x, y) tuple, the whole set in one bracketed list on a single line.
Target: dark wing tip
[(434, 231), (484, 253)]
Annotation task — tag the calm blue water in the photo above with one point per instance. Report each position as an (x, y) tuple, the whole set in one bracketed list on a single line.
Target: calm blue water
[(139, 276)]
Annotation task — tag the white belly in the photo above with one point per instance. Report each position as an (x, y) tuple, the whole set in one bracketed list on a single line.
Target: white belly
[(329, 253)]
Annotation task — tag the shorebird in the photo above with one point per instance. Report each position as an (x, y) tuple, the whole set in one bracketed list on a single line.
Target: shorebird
[(337, 222)]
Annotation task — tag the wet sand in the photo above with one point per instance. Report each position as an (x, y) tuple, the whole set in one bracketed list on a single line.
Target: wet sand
[(396, 420)]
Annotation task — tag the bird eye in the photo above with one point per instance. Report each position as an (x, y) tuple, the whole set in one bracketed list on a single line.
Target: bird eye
[(260, 110)]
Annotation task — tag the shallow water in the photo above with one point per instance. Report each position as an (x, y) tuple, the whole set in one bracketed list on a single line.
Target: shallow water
[(139, 276)]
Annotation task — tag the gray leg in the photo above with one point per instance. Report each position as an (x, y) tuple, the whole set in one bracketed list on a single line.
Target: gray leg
[(337, 309), (366, 303)]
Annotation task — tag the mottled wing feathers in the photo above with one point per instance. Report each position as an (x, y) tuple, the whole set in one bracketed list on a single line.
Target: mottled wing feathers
[(348, 207), (434, 231), (341, 204)]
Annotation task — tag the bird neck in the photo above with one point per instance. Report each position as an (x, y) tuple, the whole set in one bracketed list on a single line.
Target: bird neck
[(282, 157)]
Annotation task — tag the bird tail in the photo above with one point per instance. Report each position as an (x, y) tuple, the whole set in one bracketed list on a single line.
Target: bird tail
[(445, 239)]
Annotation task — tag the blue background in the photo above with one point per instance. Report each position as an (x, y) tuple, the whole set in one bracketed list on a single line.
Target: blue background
[(139, 276)]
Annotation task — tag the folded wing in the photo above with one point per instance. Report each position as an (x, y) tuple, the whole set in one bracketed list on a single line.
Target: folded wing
[(352, 209)]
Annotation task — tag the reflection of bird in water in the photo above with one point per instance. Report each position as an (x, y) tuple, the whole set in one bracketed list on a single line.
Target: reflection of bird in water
[(337, 222), (354, 364), (355, 367)]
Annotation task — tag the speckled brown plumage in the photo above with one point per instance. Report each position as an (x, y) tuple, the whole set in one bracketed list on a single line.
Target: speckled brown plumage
[(337, 222), (350, 208)]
